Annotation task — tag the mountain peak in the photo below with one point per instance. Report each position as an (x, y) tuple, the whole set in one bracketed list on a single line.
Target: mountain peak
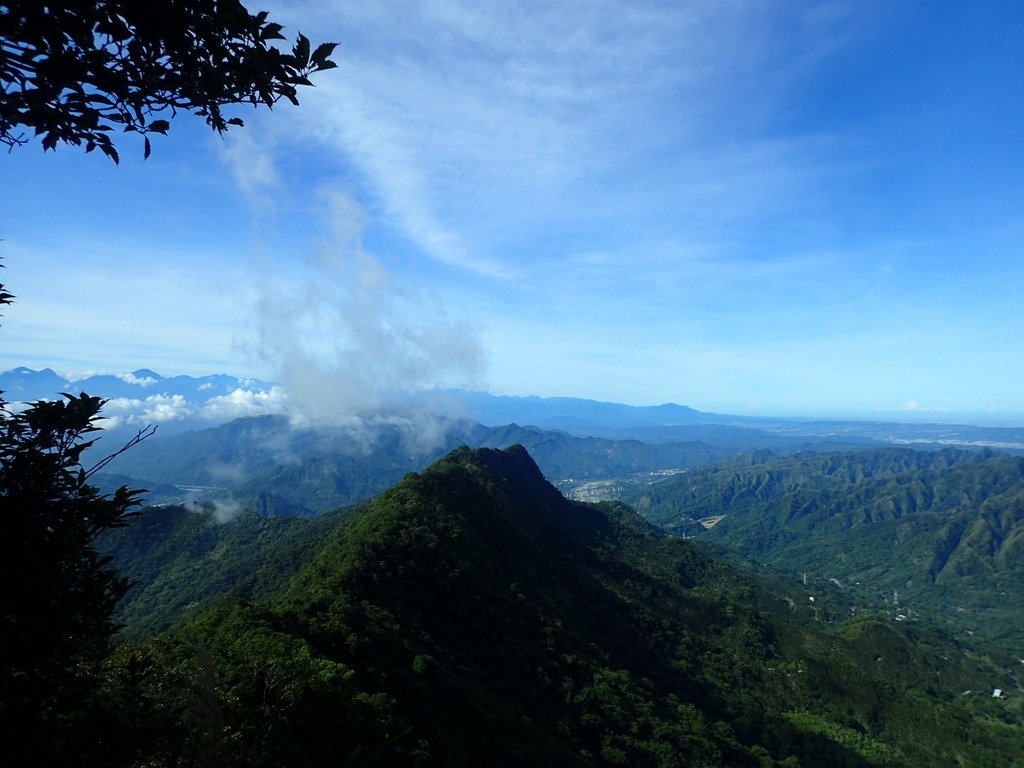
[(146, 373), (511, 469)]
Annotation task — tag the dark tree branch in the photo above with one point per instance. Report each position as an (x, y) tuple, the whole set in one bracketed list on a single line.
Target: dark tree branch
[(146, 432), (74, 72)]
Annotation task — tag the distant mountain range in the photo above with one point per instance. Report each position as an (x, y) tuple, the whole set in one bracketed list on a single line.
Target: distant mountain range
[(25, 384), (181, 403), (142, 397)]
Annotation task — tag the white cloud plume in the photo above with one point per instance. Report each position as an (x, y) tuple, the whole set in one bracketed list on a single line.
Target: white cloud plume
[(139, 381), (344, 330), (251, 164), (221, 510)]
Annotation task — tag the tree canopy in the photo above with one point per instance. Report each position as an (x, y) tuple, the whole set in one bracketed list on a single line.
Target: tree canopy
[(79, 71), (57, 595)]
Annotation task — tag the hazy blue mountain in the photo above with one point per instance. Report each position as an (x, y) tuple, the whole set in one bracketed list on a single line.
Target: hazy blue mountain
[(557, 412), (26, 384), (181, 403), (672, 422), (267, 465)]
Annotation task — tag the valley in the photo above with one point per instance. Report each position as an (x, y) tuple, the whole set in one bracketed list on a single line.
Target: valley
[(519, 385), (564, 633), (519, 594)]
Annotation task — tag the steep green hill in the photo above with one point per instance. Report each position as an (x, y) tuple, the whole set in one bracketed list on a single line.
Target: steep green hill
[(180, 560), (931, 535), (471, 615)]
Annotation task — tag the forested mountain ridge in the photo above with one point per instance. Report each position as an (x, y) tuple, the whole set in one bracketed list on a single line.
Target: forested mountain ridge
[(748, 478), (275, 469), (181, 559), (472, 615), (917, 532)]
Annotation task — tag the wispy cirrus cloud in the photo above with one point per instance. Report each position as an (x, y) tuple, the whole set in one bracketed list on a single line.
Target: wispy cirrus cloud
[(482, 130)]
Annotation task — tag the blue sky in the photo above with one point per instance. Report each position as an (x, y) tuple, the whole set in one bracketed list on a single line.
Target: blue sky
[(778, 208)]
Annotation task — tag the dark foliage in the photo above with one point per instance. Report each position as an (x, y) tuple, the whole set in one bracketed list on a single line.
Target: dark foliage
[(77, 71), (57, 595)]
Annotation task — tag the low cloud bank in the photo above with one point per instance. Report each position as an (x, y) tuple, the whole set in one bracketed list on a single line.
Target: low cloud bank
[(221, 510), (351, 425), (155, 409), (166, 408)]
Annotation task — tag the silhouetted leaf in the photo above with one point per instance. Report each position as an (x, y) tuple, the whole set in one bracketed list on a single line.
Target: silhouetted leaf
[(321, 54), (118, 63), (301, 50)]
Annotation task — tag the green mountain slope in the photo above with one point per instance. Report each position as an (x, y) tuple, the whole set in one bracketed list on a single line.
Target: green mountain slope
[(936, 535), (180, 560), (471, 615)]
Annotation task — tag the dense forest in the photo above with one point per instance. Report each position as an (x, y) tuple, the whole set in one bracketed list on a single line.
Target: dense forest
[(934, 536), (472, 615)]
